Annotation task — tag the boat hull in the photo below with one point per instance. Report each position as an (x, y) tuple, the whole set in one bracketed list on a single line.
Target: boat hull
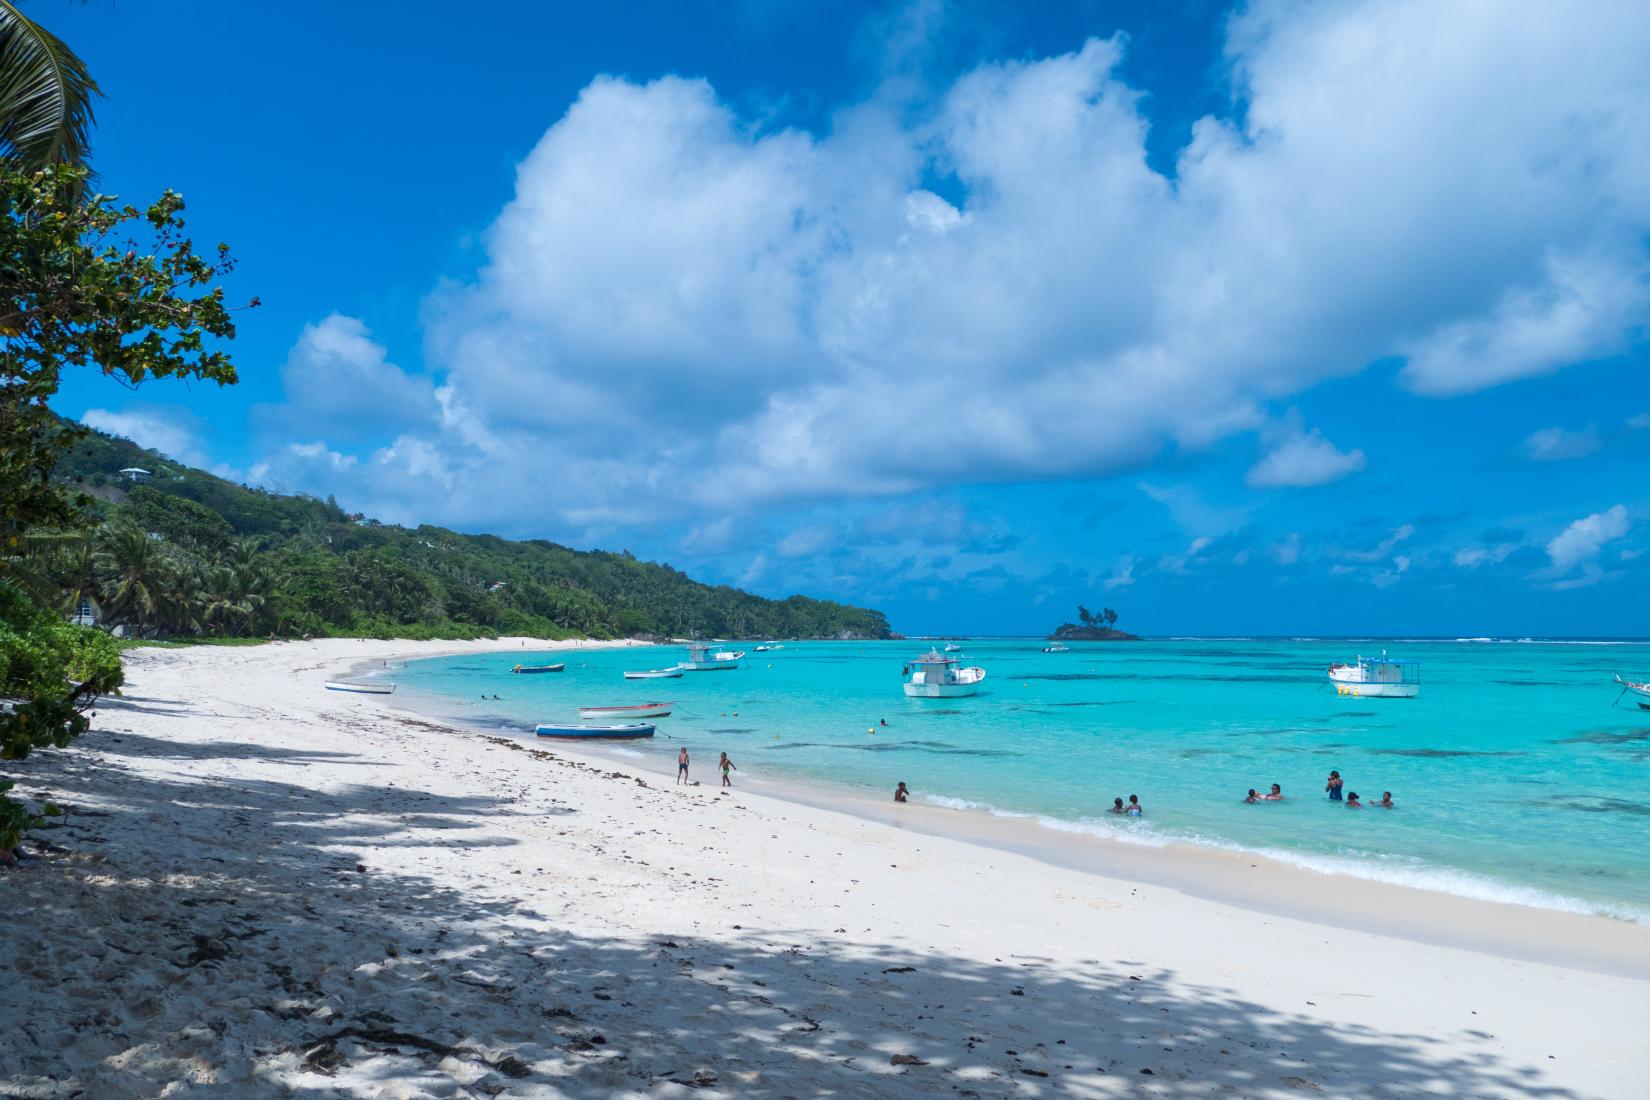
[(1360, 690), (640, 710), (594, 733), (655, 674), (707, 666), (531, 670), (361, 689), (940, 691)]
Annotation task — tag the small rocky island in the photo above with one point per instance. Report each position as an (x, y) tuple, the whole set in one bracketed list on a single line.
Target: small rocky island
[(1090, 627)]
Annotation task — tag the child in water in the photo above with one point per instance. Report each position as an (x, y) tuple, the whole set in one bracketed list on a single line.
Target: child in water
[(1253, 797), (1134, 806), (900, 793), (1116, 806), (725, 765), (1352, 802)]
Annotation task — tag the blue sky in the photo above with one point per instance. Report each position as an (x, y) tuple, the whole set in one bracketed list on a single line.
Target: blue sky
[(1283, 318)]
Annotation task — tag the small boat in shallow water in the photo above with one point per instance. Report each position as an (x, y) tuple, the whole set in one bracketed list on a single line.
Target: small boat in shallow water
[(632, 710), (576, 732), (1639, 691), (527, 670), (654, 674), (1057, 648), (1377, 678), (360, 689), (701, 659), (936, 677)]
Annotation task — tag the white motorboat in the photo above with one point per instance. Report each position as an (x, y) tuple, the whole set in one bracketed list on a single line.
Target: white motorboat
[(768, 647), (1640, 692), (360, 689), (934, 676), (1057, 648), (953, 647), (594, 733), (1377, 678), (701, 659), (654, 674), (631, 710)]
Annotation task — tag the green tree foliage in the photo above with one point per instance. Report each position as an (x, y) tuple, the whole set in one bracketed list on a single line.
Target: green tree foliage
[(86, 283), (252, 562), (45, 95), (51, 672)]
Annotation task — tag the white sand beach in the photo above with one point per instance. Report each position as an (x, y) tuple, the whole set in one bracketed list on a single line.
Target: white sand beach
[(266, 889)]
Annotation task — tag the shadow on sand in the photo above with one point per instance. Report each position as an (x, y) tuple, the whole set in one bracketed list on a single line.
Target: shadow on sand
[(295, 967)]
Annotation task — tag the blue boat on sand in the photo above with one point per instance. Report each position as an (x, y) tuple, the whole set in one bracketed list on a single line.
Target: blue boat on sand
[(578, 732)]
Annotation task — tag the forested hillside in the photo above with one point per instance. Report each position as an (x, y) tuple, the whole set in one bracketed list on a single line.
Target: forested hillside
[(185, 552)]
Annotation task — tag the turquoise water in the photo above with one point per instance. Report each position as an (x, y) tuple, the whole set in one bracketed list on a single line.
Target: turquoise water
[(1515, 777)]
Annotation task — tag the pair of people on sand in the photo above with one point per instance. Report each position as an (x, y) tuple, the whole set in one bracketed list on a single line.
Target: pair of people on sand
[(682, 767)]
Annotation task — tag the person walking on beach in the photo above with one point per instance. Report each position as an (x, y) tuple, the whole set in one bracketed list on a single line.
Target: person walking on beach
[(1134, 806), (726, 764), (682, 765), (1334, 786), (900, 793)]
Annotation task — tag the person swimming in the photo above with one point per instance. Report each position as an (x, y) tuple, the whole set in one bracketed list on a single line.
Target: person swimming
[(1274, 795), (1253, 797), (900, 793), (1116, 806), (1134, 806), (1386, 801), (1352, 802), (1334, 786)]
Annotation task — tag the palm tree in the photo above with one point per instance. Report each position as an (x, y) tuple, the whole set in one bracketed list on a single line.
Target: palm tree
[(46, 95), (132, 569)]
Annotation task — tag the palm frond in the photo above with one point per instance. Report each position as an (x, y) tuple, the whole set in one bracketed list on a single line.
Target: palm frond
[(46, 95)]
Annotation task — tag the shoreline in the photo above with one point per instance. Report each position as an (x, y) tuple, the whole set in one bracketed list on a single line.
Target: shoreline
[(1231, 875), (263, 888)]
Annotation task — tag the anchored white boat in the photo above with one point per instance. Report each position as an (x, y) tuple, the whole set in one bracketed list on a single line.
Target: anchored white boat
[(933, 676), (768, 647), (953, 647), (594, 733), (360, 689), (1640, 692), (632, 710), (701, 659), (654, 674), (1057, 648), (1377, 678)]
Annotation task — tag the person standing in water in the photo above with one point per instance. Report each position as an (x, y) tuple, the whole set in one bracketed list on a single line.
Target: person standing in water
[(1334, 786), (726, 764), (1352, 802), (682, 765), (1116, 806), (1134, 806), (900, 793)]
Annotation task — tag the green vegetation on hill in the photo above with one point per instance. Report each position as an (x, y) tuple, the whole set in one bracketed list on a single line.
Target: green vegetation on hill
[(185, 552)]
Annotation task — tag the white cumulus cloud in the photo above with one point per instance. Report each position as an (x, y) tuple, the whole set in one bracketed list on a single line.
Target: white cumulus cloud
[(681, 312), (1558, 444), (1575, 550)]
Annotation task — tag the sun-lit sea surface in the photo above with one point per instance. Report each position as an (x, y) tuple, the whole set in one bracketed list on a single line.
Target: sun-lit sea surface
[(1516, 779)]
